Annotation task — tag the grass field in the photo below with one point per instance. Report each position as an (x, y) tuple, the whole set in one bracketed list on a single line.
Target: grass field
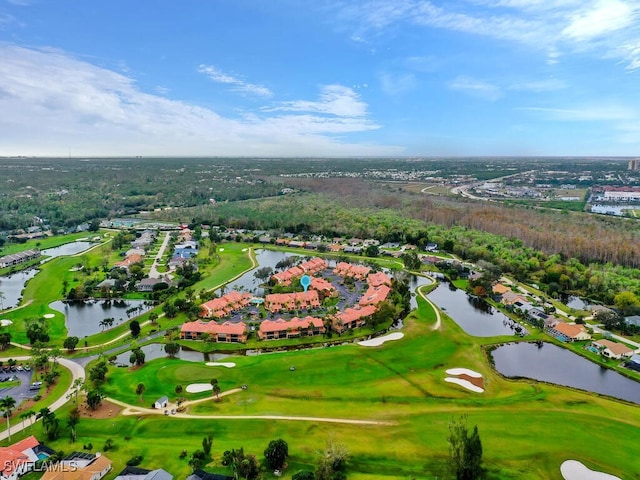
[(527, 428)]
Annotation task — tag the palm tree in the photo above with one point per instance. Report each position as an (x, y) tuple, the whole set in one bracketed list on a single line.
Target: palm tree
[(215, 388), (140, 390), (8, 404), (72, 421)]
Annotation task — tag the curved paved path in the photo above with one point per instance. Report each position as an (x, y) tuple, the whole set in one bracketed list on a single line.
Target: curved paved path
[(133, 410), (436, 326), (77, 371)]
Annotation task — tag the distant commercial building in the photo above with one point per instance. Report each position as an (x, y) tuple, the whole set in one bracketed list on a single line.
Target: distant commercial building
[(634, 164)]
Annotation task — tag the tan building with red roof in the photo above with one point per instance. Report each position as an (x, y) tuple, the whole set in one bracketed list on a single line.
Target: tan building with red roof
[(345, 269), (352, 318), (277, 302), (309, 267), (379, 278), (226, 332), (500, 289), (375, 295), (296, 327), (322, 286), (613, 349), (225, 305)]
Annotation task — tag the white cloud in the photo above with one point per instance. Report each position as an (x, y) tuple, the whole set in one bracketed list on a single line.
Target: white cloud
[(397, 83), (476, 88), (603, 17), (237, 84), (51, 101), (539, 86), (603, 112), (333, 100), (551, 27)]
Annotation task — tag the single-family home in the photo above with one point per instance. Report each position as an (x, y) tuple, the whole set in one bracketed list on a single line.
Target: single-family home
[(128, 261), (509, 298), (79, 466), (634, 362), (296, 327), (136, 473), (147, 284), (573, 332), (202, 475), (227, 332), (162, 402), (21, 457), (613, 349), (500, 289)]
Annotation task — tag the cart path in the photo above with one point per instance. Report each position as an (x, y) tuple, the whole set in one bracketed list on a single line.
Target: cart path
[(133, 410)]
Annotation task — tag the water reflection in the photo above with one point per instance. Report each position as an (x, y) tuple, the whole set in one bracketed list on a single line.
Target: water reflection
[(84, 318), (542, 363), (475, 316)]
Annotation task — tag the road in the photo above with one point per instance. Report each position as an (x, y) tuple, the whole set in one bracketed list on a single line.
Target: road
[(153, 272), (77, 371)]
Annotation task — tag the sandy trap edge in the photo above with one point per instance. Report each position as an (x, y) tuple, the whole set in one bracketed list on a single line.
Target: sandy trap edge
[(463, 371), (464, 383), (376, 342), (220, 364), (198, 387), (575, 470)]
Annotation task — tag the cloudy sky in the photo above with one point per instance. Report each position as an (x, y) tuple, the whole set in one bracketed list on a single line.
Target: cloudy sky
[(321, 78)]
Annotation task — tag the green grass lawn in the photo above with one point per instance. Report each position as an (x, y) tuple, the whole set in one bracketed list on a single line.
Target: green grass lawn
[(527, 428)]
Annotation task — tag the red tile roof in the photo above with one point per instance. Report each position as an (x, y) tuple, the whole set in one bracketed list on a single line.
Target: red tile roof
[(281, 324), (214, 328), (379, 278)]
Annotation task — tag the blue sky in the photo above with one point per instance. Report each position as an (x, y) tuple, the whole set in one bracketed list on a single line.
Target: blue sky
[(321, 78)]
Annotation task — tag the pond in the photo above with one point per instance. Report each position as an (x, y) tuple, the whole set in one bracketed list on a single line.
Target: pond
[(83, 318), (265, 258), (67, 249), (13, 285), (475, 316), (541, 363), (156, 350), (574, 302)]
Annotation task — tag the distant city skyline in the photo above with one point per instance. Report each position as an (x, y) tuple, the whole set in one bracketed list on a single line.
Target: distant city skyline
[(325, 78)]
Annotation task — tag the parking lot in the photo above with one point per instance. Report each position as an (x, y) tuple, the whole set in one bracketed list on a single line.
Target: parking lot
[(20, 392)]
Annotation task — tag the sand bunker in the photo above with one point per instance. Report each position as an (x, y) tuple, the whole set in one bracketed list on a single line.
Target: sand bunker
[(5, 322), (49, 315), (463, 371), (221, 364), (198, 387), (376, 342), (466, 378), (574, 470), (221, 249), (245, 249)]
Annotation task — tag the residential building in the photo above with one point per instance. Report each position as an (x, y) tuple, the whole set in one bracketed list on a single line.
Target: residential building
[(18, 258), (21, 457), (135, 473), (352, 318), (573, 332), (277, 302), (378, 278), (344, 269), (613, 349), (128, 261), (296, 327), (227, 332), (225, 305), (79, 466), (322, 286), (375, 295)]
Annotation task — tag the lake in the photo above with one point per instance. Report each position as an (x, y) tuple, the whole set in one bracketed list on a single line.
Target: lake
[(83, 318), (475, 316), (156, 350), (13, 285), (542, 363)]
